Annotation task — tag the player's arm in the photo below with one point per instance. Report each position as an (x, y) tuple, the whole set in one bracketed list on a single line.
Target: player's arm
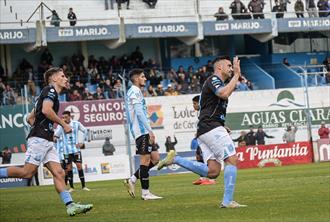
[(225, 91), (47, 110), (84, 130), (31, 117)]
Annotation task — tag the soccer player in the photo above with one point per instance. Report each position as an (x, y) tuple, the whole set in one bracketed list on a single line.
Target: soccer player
[(144, 137), (40, 140), (58, 144), (72, 147), (213, 138), (195, 146)]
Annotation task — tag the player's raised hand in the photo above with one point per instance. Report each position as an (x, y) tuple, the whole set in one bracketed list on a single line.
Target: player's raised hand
[(67, 128), (237, 66)]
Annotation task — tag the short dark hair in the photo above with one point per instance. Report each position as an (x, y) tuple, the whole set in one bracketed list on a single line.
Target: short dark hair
[(219, 58), (196, 98), (66, 112), (135, 72), (50, 72)]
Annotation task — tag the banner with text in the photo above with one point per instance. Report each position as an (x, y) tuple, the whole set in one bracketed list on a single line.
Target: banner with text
[(274, 110), (95, 169), (303, 24), (274, 155), (232, 27), (161, 30)]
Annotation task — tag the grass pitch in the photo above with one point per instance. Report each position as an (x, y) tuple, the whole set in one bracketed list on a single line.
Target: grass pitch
[(291, 193)]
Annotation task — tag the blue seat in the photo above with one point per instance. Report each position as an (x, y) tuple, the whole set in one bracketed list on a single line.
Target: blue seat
[(62, 98)]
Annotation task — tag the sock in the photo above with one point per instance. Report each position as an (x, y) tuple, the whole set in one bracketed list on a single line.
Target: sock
[(229, 183), (144, 177), (70, 178), (194, 166), (136, 175), (144, 192), (3, 172), (66, 197), (82, 177)]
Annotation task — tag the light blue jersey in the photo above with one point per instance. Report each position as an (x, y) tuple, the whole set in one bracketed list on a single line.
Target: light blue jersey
[(59, 146), (137, 113), (70, 140)]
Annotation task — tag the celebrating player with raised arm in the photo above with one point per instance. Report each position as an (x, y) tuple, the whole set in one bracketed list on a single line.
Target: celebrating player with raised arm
[(212, 136), (40, 140), (144, 137)]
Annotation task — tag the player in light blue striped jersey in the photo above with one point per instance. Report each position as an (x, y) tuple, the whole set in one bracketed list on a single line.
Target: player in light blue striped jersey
[(143, 135), (71, 148), (59, 146)]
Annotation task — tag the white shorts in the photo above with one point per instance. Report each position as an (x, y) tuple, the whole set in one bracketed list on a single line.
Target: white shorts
[(216, 145), (40, 151)]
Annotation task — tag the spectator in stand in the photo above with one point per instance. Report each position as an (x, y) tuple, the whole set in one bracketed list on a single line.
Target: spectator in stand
[(119, 2), (54, 19), (327, 78), (72, 17), (169, 144), (117, 89), (286, 62), (326, 62), (151, 3), (194, 85), (75, 96), (237, 8), (160, 90), (284, 4), (221, 15), (323, 7), (47, 56), (257, 7), (250, 137), (172, 76), (98, 94), (241, 84), (260, 136), (87, 95), (108, 148), (2, 90), (209, 67), (290, 135), (323, 131), (107, 89), (170, 91), (150, 91), (77, 60), (311, 8), (203, 75), (6, 155), (249, 85), (241, 140), (9, 96), (299, 9), (278, 9), (30, 79), (153, 78)]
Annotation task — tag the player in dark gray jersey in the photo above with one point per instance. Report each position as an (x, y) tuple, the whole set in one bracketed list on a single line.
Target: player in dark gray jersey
[(40, 144), (216, 145)]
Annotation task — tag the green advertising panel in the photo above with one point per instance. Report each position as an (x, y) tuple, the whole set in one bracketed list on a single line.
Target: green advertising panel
[(13, 127), (277, 118)]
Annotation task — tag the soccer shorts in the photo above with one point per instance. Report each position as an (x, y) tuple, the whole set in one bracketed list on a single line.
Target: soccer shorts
[(143, 145), (40, 151), (216, 145), (73, 157)]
